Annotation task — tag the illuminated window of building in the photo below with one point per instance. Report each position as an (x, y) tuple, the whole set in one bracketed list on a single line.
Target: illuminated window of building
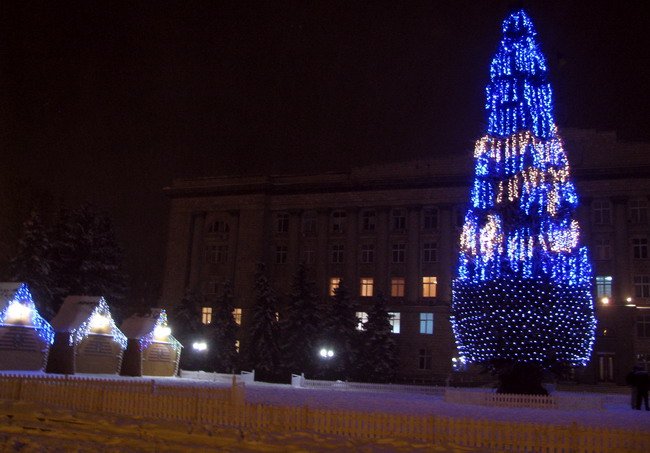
[(429, 286), (603, 249), (395, 321), (218, 226), (397, 287), (282, 223), (425, 359), (308, 254), (367, 253), (426, 323), (236, 314), (281, 254), (601, 212), (368, 220), (334, 284), (367, 287), (429, 252), (309, 222), (237, 345), (638, 211), (398, 253), (640, 248), (338, 220), (206, 315), (429, 218), (398, 219), (643, 326), (363, 319), (603, 286), (338, 253), (642, 286)]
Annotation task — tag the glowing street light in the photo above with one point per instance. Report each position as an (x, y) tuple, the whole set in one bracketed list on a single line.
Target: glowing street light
[(326, 353), (200, 346)]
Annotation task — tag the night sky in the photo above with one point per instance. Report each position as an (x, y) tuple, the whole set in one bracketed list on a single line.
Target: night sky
[(110, 101)]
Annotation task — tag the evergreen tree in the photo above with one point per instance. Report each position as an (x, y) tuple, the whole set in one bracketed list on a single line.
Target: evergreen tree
[(32, 263), (89, 258), (263, 349), (222, 332), (341, 336), (302, 326), (522, 300), (378, 359), (187, 328)]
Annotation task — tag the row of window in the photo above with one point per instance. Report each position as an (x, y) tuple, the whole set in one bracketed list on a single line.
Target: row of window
[(367, 286), (206, 315), (604, 287), (426, 322), (366, 256), (601, 212), (603, 248), (338, 220)]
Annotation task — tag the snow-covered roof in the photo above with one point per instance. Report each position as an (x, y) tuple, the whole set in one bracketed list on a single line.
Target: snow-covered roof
[(137, 326), (74, 311), (8, 291)]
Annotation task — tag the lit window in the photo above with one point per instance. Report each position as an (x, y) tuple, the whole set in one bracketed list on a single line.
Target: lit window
[(366, 287), (237, 346), (603, 249), (394, 321), (398, 253), (426, 323), (363, 319), (638, 211), (206, 315), (398, 219), (337, 253), (368, 220), (367, 253), (281, 254), (397, 287), (430, 218), (308, 254), (338, 222), (282, 223), (236, 314), (603, 286), (429, 252), (334, 284), (601, 212), (309, 222), (429, 285), (642, 286), (425, 359), (640, 248)]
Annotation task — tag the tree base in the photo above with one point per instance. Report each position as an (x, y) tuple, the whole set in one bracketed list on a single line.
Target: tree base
[(520, 378)]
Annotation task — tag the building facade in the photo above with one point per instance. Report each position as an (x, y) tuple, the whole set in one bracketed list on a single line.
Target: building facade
[(393, 230)]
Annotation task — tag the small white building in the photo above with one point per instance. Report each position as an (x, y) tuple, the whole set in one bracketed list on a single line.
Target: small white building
[(87, 339), (151, 349), (25, 337)]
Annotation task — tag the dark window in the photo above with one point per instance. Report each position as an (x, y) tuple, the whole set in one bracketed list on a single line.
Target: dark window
[(642, 286), (425, 359), (398, 253), (430, 219), (640, 248), (601, 212), (367, 253), (398, 219), (338, 221), (309, 222), (281, 254), (338, 253), (282, 223), (368, 220), (430, 252)]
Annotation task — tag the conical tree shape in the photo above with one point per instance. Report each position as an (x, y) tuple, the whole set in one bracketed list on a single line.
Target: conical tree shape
[(523, 291)]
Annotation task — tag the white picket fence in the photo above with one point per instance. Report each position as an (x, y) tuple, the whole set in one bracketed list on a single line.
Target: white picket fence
[(300, 381), (225, 407), (558, 401), (246, 377)]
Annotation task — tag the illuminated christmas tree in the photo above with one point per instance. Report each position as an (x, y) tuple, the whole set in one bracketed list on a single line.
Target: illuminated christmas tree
[(522, 299)]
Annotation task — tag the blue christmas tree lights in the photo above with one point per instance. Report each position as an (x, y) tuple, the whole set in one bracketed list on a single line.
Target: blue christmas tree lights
[(20, 310), (523, 290)]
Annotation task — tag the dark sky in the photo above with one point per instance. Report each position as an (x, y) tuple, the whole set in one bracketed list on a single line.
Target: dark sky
[(109, 101)]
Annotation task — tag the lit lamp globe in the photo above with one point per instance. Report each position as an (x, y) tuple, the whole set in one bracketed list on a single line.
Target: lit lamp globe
[(162, 332), (99, 322), (17, 313)]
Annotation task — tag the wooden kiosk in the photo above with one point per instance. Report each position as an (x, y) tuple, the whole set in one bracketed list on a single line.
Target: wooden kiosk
[(25, 337), (86, 338), (151, 349)]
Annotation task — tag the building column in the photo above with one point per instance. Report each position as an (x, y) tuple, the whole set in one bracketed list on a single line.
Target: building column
[(412, 277), (351, 250), (322, 229), (622, 284), (446, 249), (194, 259)]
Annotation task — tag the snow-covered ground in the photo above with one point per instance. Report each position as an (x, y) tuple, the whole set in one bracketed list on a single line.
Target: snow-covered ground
[(28, 427)]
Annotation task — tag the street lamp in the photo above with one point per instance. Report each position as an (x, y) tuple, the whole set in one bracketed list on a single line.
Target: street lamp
[(200, 346), (326, 353)]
